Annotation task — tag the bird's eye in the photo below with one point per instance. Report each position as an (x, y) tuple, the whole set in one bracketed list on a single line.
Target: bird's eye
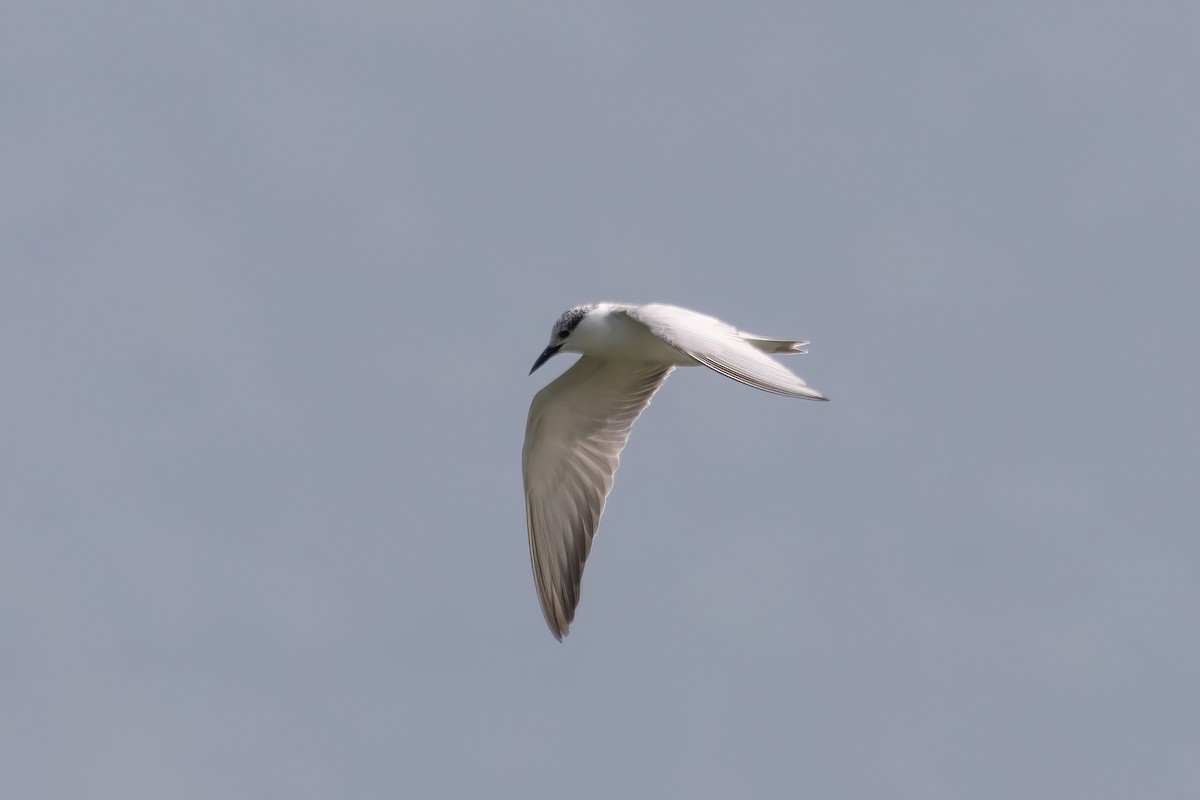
[(562, 334)]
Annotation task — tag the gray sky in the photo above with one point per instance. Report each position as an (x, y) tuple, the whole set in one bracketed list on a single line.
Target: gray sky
[(273, 279)]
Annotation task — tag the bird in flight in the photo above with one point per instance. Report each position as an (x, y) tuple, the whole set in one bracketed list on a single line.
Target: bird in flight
[(579, 423)]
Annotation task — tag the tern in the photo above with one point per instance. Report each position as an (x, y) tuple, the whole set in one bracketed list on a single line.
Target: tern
[(579, 423)]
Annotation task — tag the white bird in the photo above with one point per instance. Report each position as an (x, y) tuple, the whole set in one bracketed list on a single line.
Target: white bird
[(579, 423)]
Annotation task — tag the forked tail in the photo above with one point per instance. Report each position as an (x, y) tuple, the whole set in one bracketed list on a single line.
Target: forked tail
[(775, 346)]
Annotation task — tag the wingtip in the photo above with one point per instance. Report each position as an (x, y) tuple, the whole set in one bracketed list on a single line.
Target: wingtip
[(559, 626)]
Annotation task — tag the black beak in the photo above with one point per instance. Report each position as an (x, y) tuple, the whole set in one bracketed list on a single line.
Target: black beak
[(545, 356)]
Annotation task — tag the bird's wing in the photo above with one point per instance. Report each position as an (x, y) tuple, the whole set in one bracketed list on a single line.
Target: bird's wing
[(577, 427), (721, 347)]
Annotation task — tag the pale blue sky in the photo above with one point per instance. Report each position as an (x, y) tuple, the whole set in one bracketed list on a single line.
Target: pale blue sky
[(273, 279)]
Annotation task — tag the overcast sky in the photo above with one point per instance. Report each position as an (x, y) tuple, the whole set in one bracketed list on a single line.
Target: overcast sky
[(273, 277)]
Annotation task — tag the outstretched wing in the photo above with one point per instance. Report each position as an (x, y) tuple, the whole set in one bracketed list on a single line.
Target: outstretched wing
[(723, 348), (577, 427)]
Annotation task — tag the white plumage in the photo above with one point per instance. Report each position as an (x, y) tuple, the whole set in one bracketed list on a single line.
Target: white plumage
[(579, 423)]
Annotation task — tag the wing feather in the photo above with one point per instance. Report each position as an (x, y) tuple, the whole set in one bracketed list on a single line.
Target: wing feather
[(578, 425), (723, 348)]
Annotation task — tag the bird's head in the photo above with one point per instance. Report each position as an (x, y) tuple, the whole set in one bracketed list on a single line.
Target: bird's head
[(560, 334)]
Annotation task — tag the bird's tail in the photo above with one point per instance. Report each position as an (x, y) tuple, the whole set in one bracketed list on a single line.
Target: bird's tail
[(775, 346)]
